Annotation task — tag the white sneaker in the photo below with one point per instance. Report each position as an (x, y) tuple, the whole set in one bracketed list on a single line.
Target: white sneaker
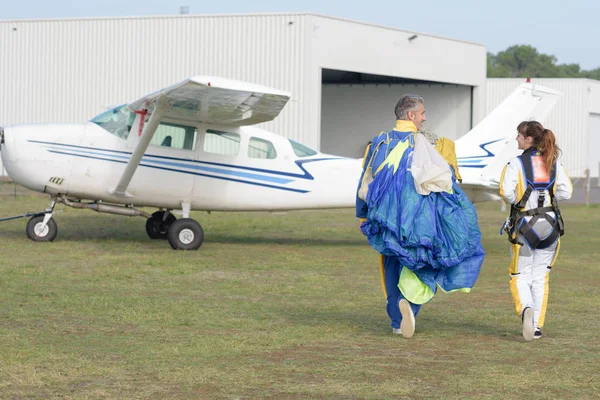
[(397, 331), (528, 328), (407, 326)]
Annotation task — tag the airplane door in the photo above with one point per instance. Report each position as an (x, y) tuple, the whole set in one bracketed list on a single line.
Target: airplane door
[(165, 177)]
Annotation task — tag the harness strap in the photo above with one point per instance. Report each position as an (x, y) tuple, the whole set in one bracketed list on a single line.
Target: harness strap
[(531, 236), (516, 225)]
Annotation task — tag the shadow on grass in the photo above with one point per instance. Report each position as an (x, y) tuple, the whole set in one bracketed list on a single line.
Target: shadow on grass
[(238, 239), (83, 228), (377, 323)]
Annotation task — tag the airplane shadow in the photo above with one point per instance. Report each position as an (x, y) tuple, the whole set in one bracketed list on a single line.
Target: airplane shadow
[(84, 228)]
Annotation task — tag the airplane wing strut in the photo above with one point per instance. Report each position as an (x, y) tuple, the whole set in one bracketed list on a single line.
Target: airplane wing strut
[(161, 106)]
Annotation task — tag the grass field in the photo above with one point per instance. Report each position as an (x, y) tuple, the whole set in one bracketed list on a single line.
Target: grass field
[(276, 306)]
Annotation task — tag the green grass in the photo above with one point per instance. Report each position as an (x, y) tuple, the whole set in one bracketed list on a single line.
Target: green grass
[(275, 306)]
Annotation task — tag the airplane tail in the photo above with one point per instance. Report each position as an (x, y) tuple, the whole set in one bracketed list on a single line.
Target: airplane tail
[(485, 150)]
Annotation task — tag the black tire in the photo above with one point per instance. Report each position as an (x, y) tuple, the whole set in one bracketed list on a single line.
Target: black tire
[(156, 228), (34, 233), (185, 234)]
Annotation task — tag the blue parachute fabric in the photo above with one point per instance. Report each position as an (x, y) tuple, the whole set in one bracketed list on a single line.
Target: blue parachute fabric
[(436, 236)]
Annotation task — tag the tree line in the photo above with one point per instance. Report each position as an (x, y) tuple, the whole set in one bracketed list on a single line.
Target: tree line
[(523, 61)]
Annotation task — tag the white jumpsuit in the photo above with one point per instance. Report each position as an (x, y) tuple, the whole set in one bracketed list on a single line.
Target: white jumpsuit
[(530, 268)]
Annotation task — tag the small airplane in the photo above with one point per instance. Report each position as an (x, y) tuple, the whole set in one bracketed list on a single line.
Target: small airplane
[(190, 146), (186, 147)]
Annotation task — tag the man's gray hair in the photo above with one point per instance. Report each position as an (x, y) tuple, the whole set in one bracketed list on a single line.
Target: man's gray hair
[(408, 102)]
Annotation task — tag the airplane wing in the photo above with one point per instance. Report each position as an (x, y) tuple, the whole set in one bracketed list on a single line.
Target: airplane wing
[(219, 100), (202, 99)]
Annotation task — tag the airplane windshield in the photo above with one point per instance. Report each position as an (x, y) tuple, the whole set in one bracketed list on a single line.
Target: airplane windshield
[(117, 121), (301, 150)]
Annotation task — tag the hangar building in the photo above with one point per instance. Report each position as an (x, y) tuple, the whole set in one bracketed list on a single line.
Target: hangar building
[(344, 76)]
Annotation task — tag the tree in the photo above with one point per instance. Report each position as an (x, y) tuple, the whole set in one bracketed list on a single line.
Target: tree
[(523, 61)]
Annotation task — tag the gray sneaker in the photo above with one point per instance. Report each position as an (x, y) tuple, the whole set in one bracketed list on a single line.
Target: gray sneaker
[(407, 326), (528, 327)]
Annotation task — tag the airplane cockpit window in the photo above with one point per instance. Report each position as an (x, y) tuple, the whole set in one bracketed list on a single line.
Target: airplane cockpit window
[(175, 136), (219, 142), (301, 150), (117, 121), (260, 148)]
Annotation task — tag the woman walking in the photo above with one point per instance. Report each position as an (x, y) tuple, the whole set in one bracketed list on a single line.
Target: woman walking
[(533, 183)]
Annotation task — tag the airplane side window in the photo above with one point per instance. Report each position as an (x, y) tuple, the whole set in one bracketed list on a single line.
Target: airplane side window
[(301, 150), (174, 136), (219, 142), (260, 148)]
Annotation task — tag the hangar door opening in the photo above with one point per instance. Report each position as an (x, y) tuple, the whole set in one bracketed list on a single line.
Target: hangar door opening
[(355, 107)]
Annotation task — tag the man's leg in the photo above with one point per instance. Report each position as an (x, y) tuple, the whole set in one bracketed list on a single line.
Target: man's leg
[(393, 295)]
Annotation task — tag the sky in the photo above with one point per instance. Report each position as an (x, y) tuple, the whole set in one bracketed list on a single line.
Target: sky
[(569, 30)]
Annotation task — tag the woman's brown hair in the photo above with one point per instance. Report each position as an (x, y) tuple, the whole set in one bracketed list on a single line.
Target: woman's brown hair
[(543, 140)]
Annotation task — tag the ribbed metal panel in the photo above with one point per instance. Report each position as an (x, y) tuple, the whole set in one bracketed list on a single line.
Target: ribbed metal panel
[(569, 120), (71, 70)]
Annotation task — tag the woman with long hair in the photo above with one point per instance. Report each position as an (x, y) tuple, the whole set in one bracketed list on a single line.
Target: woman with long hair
[(533, 183)]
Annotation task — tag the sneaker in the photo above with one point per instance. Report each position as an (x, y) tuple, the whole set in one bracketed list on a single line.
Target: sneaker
[(397, 331), (538, 333), (407, 326), (528, 328)]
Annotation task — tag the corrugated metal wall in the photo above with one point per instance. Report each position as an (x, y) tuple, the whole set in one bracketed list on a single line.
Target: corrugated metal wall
[(366, 48), (352, 114), (569, 120), (71, 70)]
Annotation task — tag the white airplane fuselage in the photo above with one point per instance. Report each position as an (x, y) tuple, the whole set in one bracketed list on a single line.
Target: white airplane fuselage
[(84, 161)]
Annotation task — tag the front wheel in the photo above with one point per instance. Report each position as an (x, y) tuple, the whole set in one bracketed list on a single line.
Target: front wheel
[(185, 234), (37, 233)]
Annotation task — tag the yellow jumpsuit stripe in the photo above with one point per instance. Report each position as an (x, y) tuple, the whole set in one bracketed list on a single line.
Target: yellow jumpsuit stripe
[(501, 181), (513, 269), (514, 262), (556, 254), (547, 288), (545, 300)]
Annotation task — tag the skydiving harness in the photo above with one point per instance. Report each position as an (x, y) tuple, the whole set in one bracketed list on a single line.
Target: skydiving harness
[(537, 179)]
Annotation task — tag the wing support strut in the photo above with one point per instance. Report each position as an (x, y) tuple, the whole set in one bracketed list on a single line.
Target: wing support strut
[(160, 108)]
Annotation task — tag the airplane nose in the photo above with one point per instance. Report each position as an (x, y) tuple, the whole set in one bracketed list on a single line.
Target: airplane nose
[(8, 150)]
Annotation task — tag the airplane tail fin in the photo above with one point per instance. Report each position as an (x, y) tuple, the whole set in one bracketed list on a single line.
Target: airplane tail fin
[(483, 151)]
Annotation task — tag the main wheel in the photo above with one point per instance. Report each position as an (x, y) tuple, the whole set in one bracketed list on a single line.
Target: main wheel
[(156, 228), (185, 234), (35, 231)]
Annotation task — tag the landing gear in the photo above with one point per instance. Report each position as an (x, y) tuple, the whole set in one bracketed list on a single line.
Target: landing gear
[(158, 224), (42, 228), (185, 234), (38, 231)]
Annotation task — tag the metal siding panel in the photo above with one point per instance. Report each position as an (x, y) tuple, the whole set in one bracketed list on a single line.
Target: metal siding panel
[(71, 70), (594, 155), (569, 119), (366, 48)]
